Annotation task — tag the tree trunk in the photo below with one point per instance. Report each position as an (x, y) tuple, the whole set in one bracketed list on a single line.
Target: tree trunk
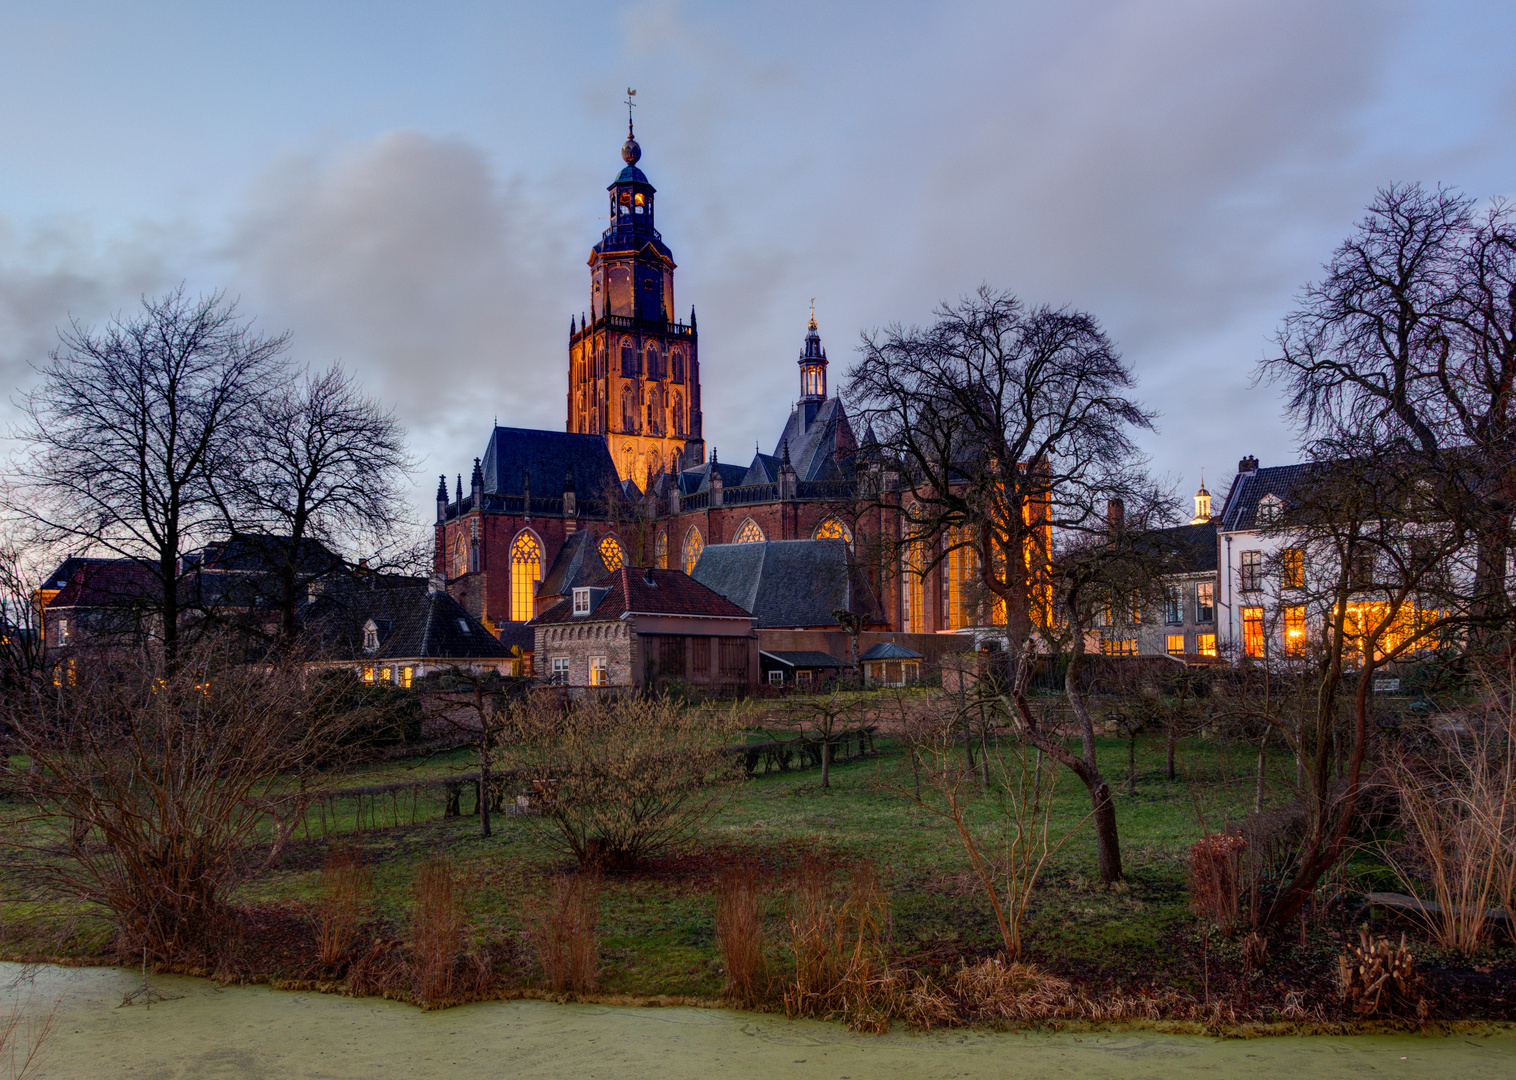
[(1107, 840), (826, 761), (486, 776), (1168, 753), (1263, 745), (1131, 764)]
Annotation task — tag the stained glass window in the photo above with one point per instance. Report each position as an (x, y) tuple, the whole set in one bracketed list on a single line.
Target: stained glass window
[(526, 572), (832, 529), (661, 551), (694, 544), (610, 553), (750, 533)]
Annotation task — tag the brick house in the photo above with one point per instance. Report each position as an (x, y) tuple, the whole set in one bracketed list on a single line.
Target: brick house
[(645, 628)]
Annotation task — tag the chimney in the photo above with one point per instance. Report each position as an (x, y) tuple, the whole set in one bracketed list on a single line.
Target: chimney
[(715, 480), (1115, 514), (1248, 465)]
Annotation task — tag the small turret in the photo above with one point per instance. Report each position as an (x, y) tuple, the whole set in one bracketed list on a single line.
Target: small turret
[(812, 364), (476, 484), (460, 488), (570, 500), (441, 498), (1202, 505)]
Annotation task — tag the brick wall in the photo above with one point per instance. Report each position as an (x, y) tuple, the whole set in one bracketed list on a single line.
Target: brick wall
[(578, 642)]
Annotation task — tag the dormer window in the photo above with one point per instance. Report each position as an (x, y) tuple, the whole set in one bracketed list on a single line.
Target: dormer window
[(581, 601), (370, 636), (1269, 508)]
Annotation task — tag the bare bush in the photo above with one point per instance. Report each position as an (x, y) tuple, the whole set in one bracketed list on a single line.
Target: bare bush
[(148, 782), (1375, 977), (739, 933), (443, 970), (1216, 874), (634, 776), (838, 935), (344, 893), (566, 930)]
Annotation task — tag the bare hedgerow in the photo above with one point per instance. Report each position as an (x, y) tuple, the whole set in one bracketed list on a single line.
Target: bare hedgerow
[(631, 776), (148, 781)]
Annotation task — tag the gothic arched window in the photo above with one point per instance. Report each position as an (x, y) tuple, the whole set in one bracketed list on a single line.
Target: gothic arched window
[(526, 572), (676, 415), (628, 360), (460, 555), (610, 553), (750, 533), (628, 411), (832, 529), (694, 544), (676, 364), (661, 551), (654, 370)]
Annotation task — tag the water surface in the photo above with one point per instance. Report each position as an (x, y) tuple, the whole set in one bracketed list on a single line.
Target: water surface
[(254, 1033)]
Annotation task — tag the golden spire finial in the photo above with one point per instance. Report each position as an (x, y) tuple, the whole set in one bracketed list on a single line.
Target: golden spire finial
[(630, 93), (812, 324)]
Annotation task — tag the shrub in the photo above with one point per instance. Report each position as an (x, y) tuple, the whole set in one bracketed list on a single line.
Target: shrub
[(837, 937), (634, 776), (1215, 876), (344, 893), (566, 930), (442, 970)]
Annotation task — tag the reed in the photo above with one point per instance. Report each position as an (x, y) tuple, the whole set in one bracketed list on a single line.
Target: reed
[(565, 927)]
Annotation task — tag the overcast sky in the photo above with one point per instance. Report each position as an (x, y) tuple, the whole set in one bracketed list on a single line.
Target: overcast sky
[(414, 189)]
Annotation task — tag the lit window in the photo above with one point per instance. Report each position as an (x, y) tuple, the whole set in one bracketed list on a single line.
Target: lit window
[(1176, 644), (385, 675), (405, 676), (1252, 631), (368, 674), (597, 671), (1293, 568), (1294, 630), (1205, 644), (526, 572), (1205, 602), (832, 529), (694, 544), (610, 553), (661, 551), (750, 533), (1119, 647)]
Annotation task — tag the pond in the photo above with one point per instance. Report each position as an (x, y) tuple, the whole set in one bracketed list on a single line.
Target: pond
[(254, 1033)]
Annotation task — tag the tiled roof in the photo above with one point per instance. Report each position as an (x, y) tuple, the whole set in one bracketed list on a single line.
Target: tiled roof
[(105, 583), (807, 658), (788, 582), (648, 591), (547, 457), (888, 650), (1190, 549), (414, 623), (763, 470), (1248, 489), (578, 562), (815, 446)]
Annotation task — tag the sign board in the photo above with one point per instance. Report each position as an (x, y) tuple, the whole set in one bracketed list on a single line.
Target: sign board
[(1386, 686)]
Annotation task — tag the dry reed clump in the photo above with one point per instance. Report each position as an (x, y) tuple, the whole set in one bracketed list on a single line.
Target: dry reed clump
[(565, 927), (442, 970), (1215, 879), (739, 933), (995, 990), (344, 893), (838, 936), (1375, 977)]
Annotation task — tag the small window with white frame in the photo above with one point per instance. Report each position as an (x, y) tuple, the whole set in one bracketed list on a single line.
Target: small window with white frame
[(581, 601), (598, 673), (560, 669), (776, 677)]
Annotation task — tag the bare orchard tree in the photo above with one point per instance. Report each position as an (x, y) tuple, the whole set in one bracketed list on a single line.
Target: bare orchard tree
[(323, 472), (1007, 425), (130, 424), (21, 646)]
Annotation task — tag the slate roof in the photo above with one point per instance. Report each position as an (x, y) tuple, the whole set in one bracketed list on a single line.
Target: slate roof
[(647, 591), (548, 457), (414, 622), (257, 552), (788, 582), (763, 470), (1248, 489), (103, 583), (888, 650), (805, 658), (578, 562), (699, 477), (818, 435), (72, 565), (1191, 549)]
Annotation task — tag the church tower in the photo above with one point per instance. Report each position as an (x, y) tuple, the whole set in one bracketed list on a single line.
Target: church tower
[(634, 370)]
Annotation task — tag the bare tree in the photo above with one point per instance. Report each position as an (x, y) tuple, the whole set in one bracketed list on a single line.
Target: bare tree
[(1007, 425), (323, 472), (128, 427)]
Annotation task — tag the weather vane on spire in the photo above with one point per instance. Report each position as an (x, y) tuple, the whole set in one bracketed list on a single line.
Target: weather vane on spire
[(630, 104), (813, 313)]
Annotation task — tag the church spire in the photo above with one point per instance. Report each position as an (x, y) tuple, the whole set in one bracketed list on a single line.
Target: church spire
[(812, 363)]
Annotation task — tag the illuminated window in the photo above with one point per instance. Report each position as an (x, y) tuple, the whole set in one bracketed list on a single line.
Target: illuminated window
[(1252, 631), (1176, 644), (1205, 602), (526, 572), (694, 544), (913, 590), (1294, 630), (460, 554), (597, 671), (385, 675), (750, 533), (611, 554), (368, 674), (1205, 644), (1136, 609), (832, 529), (961, 566), (1293, 568), (1119, 647), (661, 551), (639, 201), (405, 676)]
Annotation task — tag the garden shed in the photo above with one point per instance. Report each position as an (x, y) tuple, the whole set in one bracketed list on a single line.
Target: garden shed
[(888, 664)]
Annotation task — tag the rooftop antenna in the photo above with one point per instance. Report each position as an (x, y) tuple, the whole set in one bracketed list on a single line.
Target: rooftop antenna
[(630, 104)]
